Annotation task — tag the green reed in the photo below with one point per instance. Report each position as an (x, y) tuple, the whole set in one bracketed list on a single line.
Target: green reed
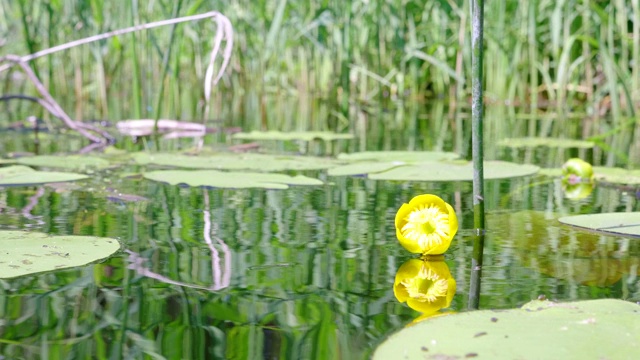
[(573, 58)]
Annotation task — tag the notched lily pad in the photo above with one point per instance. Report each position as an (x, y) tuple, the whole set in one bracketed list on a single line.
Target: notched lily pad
[(453, 171), (593, 329), (231, 180), (622, 224), (229, 161), (296, 135), (17, 175), (548, 142), (24, 253), (68, 162)]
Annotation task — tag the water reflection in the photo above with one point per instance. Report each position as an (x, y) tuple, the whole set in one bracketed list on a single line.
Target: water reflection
[(221, 277), (563, 253), (426, 285), (577, 191)]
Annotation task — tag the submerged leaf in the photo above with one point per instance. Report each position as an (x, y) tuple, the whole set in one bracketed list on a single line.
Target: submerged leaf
[(26, 253), (17, 175), (232, 180)]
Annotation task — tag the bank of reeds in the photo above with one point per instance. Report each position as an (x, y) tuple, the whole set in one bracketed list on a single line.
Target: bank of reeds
[(560, 59)]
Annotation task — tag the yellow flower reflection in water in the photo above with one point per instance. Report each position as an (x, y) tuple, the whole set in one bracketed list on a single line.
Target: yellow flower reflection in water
[(426, 225), (577, 191), (425, 285)]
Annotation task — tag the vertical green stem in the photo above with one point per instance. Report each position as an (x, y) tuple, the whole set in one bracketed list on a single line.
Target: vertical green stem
[(345, 82), (136, 88), (477, 28)]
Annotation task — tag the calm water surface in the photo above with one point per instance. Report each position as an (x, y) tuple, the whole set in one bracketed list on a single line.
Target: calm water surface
[(302, 273)]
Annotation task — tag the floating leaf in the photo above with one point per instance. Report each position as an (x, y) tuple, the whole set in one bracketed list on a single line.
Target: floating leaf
[(548, 142), (606, 175), (361, 168), (16, 175), (623, 224), (229, 161), (399, 156), (443, 171), (296, 135), (593, 329), (233, 180), (26, 253), (554, 251), (69, 162), (551, 172)]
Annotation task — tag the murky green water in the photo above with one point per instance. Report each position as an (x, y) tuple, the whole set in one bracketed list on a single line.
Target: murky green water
[(302, 273)]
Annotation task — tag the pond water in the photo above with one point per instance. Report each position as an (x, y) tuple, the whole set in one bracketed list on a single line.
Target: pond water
[(267, 274)]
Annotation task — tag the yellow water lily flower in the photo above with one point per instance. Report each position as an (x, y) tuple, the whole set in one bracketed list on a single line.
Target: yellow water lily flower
[(425, 285), (576, 170), (426, 225)]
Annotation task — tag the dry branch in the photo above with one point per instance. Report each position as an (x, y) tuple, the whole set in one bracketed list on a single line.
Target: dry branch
[(223, 33)]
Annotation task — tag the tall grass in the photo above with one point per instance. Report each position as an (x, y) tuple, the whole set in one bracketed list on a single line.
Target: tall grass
[(571, 58)]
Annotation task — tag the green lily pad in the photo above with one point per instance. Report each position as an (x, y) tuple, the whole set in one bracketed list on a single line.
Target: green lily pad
[(231, 180), (624, 224), (551, 172), (548, 142), (296, 135), (229, 161), (25, 253), (593, 329), (399, 156), (361, 168), (68, 162), (17, 175), (449, 171), (618, 176)]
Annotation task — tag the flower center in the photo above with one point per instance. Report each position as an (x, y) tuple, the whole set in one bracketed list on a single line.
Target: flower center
[(427, 225), (426, 287)]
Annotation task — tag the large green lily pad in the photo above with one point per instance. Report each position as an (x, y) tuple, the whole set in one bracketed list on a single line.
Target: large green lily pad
[(593, 329), (548, 142), (398, 156), (229, 161), (17, 175), (451, 171), (232, 180), (68, 162), (295, 135), (23, 253), (622, 224)]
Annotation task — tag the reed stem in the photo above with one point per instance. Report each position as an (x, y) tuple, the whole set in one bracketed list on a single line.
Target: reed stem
[(477, 29)]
